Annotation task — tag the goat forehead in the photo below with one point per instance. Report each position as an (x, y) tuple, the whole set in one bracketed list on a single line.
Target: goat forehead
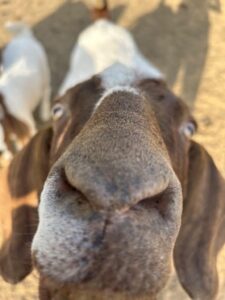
[(116, 89), (118, 78), (119, 74)]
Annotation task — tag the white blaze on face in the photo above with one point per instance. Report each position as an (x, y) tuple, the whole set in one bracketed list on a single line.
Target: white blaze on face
[(118, 88)]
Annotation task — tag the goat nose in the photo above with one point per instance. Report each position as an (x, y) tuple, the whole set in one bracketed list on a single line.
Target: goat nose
[(108, 189)]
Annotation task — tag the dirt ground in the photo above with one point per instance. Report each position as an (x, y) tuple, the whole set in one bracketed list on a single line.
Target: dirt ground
[(185, 39)]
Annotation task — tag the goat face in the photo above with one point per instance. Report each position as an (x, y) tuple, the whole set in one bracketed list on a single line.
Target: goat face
[(110, 210)]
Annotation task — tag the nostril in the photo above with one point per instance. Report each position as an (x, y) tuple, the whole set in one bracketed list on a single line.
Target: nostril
[(64, 186), (160, 202)]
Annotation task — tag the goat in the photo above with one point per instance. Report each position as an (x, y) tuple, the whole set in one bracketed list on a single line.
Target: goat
[(24, 82), (124, 189), (88, 57)]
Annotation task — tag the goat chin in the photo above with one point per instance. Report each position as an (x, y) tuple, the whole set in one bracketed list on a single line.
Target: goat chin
[(47, 287)]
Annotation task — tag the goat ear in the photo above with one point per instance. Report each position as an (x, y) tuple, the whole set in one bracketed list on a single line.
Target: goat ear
[(202, 232), (21, 184)]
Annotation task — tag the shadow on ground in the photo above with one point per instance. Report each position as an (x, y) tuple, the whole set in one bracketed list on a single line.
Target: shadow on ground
[(177, 42)]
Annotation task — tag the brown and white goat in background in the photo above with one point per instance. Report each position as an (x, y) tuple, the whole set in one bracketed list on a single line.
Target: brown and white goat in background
[(124, 189), (24, 84)]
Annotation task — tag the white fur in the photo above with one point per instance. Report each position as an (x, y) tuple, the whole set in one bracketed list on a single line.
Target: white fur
[(98, 47), (25, 79), (118, 88)]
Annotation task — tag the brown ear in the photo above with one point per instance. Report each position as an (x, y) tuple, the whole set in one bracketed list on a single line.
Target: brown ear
[(202, 231), (20, 186)]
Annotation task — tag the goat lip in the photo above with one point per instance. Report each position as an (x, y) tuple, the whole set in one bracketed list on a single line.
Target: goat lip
[(91, 246), (109, 240)]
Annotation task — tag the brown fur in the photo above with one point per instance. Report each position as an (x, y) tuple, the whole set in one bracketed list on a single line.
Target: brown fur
[(202, 231), (100, 14), (21, 184)]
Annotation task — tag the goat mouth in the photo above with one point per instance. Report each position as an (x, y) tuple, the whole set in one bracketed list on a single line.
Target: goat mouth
[(107, 249), (154, 196)]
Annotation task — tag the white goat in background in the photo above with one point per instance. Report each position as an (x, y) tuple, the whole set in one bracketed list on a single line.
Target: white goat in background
[(24, 84)]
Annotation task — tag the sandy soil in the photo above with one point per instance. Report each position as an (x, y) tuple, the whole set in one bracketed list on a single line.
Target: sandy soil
[(186, 40)]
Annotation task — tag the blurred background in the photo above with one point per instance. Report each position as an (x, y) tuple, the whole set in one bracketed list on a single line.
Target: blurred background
[(184, 39)]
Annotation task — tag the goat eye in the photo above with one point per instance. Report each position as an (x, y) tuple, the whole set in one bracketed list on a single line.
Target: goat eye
[(57, 111), (188, 129)]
